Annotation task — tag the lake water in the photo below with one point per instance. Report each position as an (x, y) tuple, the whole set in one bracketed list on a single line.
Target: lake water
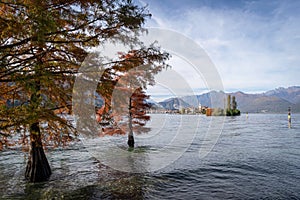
[(183, 157)]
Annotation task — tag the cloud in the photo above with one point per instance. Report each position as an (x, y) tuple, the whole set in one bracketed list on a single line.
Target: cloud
[(178, 81), (255, 45)]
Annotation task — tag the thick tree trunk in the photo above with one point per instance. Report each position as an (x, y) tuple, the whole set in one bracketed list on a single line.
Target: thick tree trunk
[(38, 168)]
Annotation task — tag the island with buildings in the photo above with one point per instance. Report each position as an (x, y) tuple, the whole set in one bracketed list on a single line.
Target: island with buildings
[(180, 107)]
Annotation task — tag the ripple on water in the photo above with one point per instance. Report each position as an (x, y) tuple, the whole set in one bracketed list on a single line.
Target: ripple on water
[(257, 158)]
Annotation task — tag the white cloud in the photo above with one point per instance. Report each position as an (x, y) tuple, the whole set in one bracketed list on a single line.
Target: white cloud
[(255, 47), (178, 81)]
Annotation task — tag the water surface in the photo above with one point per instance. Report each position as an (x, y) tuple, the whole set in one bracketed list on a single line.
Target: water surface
[(254, 158)]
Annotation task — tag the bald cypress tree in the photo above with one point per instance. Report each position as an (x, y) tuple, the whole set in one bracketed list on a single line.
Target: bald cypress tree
[(123, 88), (42, 44), (137, 114)]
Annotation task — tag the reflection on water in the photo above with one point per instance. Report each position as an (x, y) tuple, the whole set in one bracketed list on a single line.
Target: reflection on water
[(257, 157)]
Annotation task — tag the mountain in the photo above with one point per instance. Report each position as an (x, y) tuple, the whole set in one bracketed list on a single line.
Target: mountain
[(261, 103), (211, 99), (291, 94), (273, 101), (174, 103), (153, 104)]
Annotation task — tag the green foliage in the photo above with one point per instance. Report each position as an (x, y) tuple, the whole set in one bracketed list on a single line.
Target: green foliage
[(42, 45), (232, 112), (232, 107), (234, 103)]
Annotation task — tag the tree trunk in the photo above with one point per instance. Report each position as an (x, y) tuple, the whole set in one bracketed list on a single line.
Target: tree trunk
[(38, 168), (130, 141)]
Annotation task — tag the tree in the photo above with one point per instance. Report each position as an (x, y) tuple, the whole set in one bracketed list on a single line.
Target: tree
[(122, 88), (232, 107), (137, 114), (234, 104), (228, 102), (42, 45), (235, 111)]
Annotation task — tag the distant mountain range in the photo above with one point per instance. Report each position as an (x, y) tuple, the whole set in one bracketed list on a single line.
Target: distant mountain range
[(273, 101)]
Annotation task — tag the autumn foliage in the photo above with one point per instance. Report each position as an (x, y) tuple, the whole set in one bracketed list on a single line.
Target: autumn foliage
[(122, 88), (42, 46), (132, 112)]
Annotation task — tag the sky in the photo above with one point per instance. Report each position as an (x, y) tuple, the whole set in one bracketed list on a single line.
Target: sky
[(253, 44)]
